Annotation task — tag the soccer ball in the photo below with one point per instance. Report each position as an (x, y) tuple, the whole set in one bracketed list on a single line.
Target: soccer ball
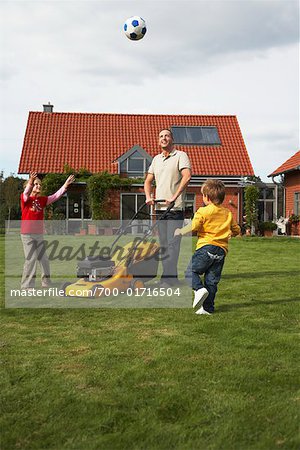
[(135, 28)]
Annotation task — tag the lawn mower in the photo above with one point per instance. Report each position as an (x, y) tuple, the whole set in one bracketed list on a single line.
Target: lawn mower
[(126, 267)]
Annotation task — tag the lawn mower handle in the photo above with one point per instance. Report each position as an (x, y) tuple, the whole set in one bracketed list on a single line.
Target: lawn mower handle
[(165, 211), (164, 201), (155, 201), (122, 230)]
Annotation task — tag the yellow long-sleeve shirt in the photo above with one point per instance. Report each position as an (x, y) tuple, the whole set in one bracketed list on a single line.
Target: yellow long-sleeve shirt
[(214, 225)]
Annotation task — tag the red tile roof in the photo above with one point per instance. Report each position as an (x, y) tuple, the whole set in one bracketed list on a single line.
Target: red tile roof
[(293, 163), (94, 141)]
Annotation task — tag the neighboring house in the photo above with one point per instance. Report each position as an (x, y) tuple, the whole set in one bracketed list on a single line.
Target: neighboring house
[(290, 171), (126, 143)]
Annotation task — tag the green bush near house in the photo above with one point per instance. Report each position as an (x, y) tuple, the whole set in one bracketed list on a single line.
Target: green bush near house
[(251, 198), (267, 226)]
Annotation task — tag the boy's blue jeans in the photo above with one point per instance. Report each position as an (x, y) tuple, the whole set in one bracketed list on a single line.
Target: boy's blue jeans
[(207, 260)]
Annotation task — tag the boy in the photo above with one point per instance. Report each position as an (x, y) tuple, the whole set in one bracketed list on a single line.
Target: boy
[(214, 225)]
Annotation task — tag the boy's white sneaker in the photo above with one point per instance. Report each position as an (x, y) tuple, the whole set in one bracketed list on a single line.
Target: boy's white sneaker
[(200, 296), (202, 311)]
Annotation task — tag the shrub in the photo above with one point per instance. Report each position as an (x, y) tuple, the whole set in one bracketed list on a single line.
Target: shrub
[(267, 226), (294, 218), (251, 197)]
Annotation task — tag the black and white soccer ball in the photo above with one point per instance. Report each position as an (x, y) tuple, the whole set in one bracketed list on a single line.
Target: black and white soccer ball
[(135, 28)]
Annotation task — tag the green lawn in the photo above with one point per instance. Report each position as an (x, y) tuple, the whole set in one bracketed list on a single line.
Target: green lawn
[(161, 378)]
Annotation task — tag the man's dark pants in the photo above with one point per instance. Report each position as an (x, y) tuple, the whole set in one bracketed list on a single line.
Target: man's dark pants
[(170, 246)]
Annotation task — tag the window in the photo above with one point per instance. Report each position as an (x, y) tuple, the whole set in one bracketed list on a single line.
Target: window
[(280, 201), (297, 203), (270, 193), (196, 135), (267, 193), (266, 203), (135, 165), (130, 204), (189, 205)]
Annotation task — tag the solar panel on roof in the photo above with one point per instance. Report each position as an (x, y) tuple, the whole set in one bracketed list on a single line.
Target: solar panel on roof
[(196, 135)]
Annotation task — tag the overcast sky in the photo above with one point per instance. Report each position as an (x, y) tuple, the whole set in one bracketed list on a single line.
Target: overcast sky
[(237, 57)]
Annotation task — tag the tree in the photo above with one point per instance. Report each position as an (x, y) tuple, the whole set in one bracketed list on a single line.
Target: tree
[(12, 187), (251, 197), (3, 208), (254, 178)]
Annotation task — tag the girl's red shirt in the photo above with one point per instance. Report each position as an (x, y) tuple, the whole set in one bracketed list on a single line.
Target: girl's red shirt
[(33, 214)]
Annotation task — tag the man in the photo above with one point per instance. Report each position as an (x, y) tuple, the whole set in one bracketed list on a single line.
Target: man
[(171, 170)]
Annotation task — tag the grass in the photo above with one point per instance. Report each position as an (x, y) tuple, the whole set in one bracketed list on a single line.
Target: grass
[(161, 378)]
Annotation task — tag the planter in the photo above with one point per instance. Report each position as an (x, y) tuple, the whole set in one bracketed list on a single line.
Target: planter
[(267, 228), (92, 229), (295, 229), (268, 233), (294, 225)]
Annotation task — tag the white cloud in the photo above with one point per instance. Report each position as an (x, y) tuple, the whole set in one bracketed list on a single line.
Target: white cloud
[(198, 57)]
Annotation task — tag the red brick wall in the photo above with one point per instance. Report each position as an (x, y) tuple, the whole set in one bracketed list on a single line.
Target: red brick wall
[(233, 201), (292, 185), (113, 204)]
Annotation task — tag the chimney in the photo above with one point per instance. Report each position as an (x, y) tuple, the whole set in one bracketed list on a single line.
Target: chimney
[(48, 108)]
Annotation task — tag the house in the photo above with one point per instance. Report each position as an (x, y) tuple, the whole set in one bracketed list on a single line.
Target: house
[(290, 171), (126, 143)]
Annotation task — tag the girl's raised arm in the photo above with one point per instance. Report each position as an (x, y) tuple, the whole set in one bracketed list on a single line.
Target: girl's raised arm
[(54, 197), (29, 186)]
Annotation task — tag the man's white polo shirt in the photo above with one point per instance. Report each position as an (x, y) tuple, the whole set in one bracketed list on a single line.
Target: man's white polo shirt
[(167, 174)]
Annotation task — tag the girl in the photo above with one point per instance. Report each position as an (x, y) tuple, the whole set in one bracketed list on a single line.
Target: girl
[(32, 229)]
